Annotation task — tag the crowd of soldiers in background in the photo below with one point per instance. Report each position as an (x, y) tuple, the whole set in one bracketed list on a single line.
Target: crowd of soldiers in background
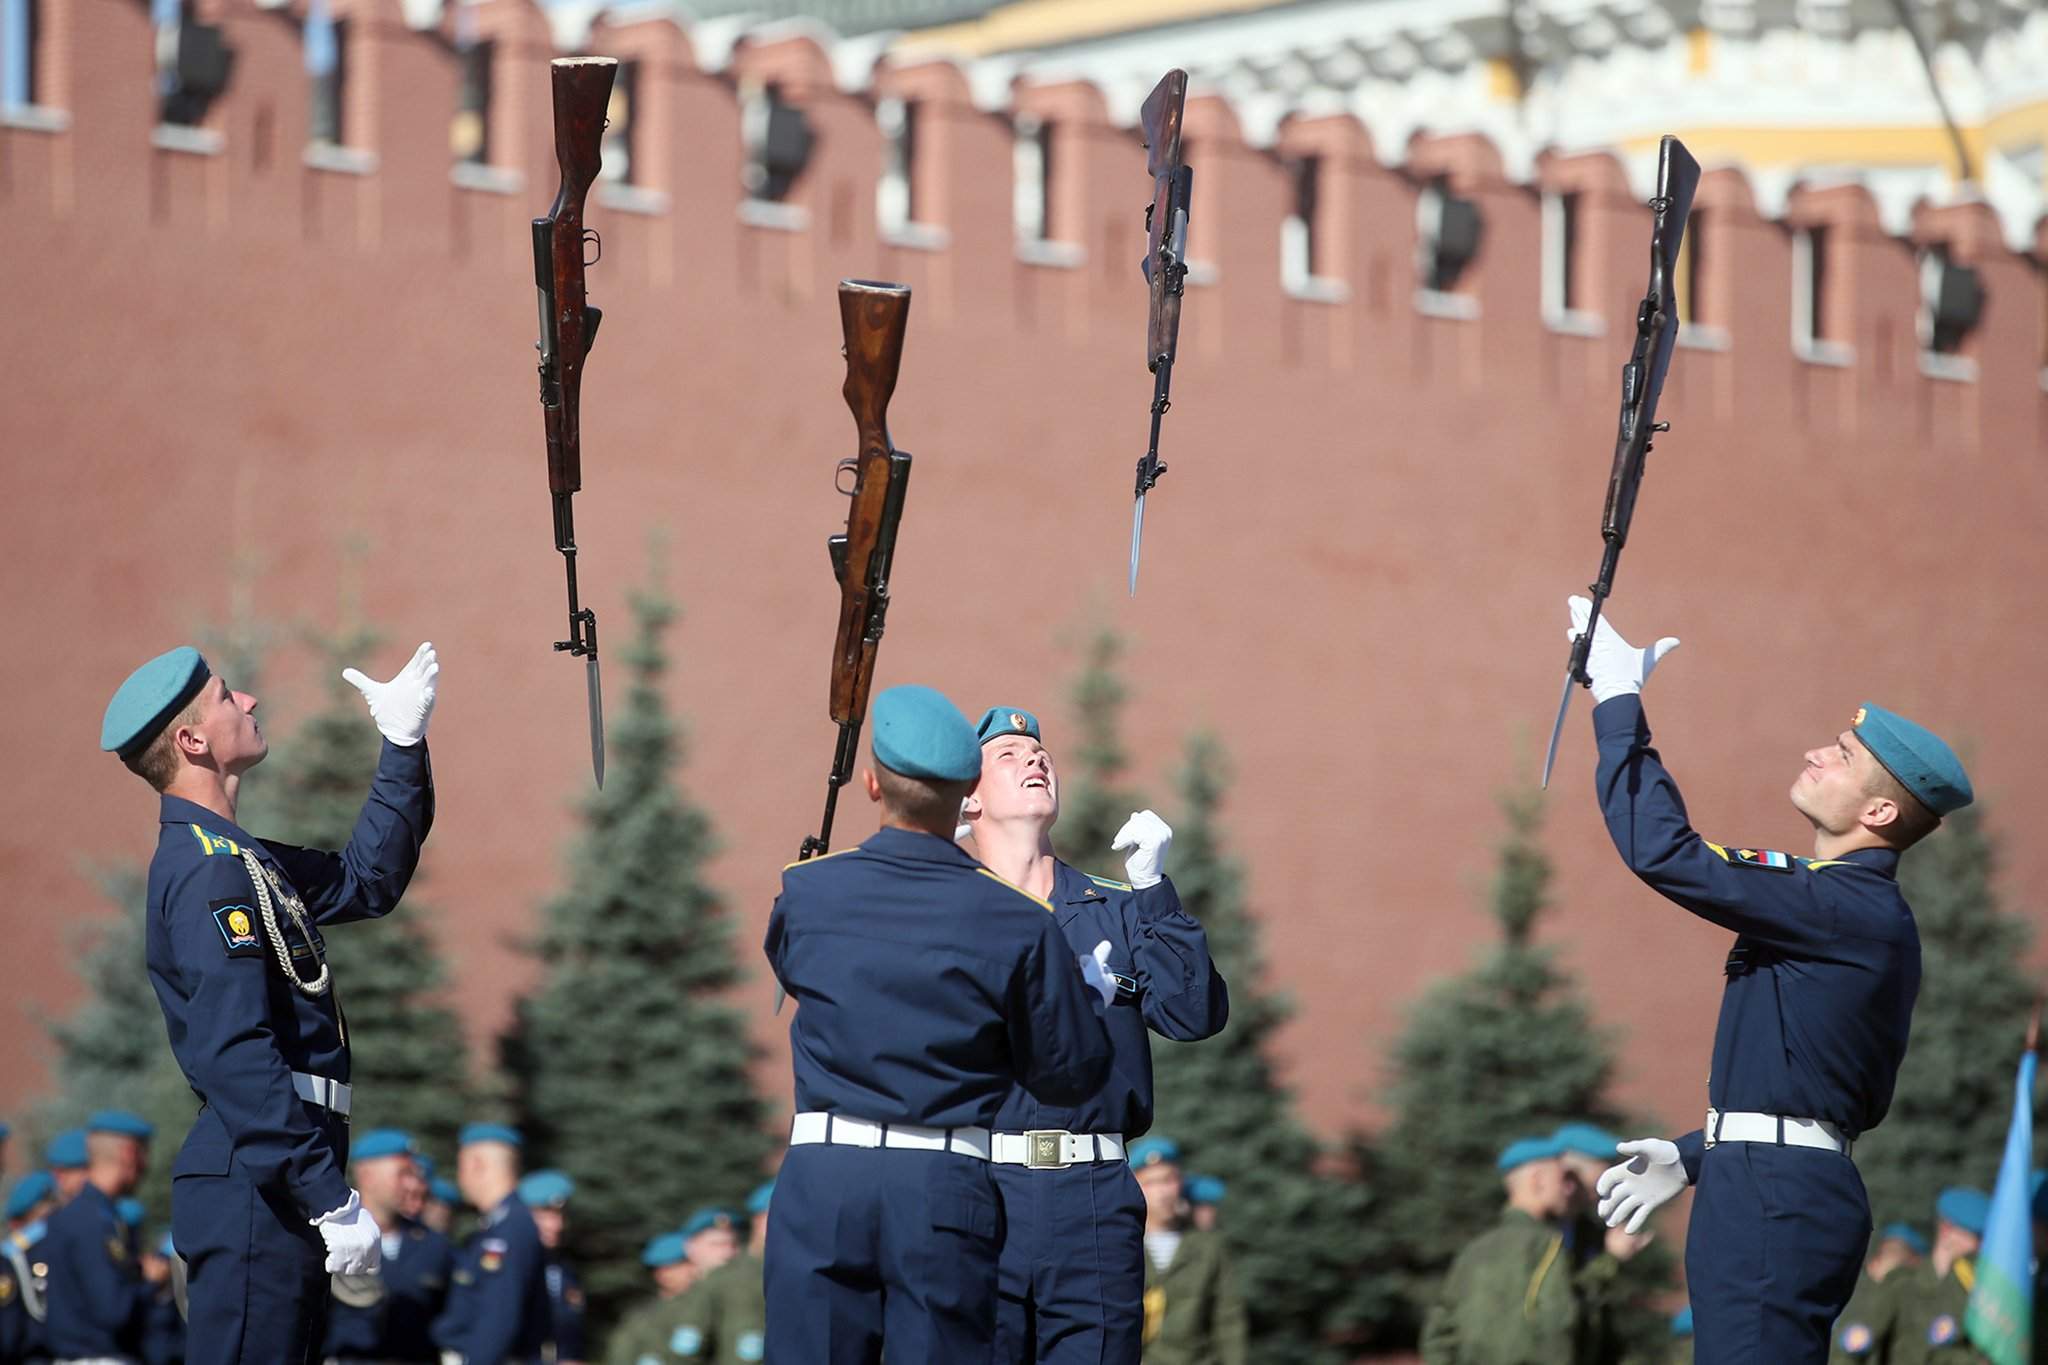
[(1545, 1283), (81, 1278)]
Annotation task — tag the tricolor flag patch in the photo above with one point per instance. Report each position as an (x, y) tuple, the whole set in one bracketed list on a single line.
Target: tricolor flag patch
[(1768, 859)]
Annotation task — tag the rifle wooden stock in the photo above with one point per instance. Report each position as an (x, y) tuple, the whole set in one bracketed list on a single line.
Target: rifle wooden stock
[(568, 326), (873, 318), (1166, 221)]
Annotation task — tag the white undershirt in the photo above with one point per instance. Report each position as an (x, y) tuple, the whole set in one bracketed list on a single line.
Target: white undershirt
[(1161, 1246)]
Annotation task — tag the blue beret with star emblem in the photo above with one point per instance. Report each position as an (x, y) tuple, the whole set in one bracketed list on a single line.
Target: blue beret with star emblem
[(757, 1202), (152, 694), (546, 1189), (66, 1150), (998, 721), (667, 1249), (1914, 754), (382, 1142), (1153, 1151), (29, 1191), (489, 1132), (1968, 1209), (1586, 1139), (121, 1122), (920, 734), (1522, 1151)]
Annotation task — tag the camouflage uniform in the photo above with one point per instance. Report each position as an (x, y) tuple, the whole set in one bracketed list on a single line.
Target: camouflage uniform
[(1912, 1318), (1194, 1314), (723, 1320), (1510, 1299)]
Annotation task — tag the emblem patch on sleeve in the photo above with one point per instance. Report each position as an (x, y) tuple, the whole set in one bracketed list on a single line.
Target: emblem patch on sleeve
[(236, 921), (1856, 1339), (1764, 858)]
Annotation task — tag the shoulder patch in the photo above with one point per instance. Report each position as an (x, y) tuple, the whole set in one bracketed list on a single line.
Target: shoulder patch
[(686, 1341), (1816, 864), (812, 862), (236, 920), (1105, 881), (210, 844), (1767, 860), (1042, 904), (1855, 1339), (750, 1346)]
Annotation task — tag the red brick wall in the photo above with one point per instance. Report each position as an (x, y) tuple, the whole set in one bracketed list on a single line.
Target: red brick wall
[(224, 370)]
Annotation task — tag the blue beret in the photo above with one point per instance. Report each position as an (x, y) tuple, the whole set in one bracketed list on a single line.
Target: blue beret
[(1522, 1151), (489, 1132), (757, 1202), (1681, 1322), (1205, 1189), (4, 1132), (130, 1211), (546, 1189), (1586, 1139), (443, 1191), (1917, 757), (920, 734), (66, 1150), (151, 696), (1153, 1151), (29, 1191), (1907, 1233), (998, 721), (704, 1220), (426, 1165), (122, 1122), (381, 1142), (667, 1249), (1968, 1209)]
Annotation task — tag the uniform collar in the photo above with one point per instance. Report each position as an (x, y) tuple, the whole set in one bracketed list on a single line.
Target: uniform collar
[(178, 811), (1072, 886), (917, 845), (503, 1211), (1883, 861), (92, 1193)]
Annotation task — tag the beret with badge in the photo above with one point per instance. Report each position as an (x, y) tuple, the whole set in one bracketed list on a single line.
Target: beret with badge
[(148, 699), (1917, 757)]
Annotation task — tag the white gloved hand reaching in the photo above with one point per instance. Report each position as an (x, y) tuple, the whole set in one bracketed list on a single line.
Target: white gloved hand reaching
[(402, 706), (1616, 667), (1149, 838), (1650, 1178), (355, 1244), (1095, 971)]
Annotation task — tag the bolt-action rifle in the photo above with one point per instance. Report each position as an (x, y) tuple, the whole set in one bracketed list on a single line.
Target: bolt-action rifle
[(568, 326), (1165, 267), (873, 317), (1642, 380)]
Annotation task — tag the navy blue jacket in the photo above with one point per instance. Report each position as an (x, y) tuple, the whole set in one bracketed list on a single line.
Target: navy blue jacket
[(14, 1318), (1165, 981), (565, 1302), (237, 1027), (498, 1308), (927, 987), (22, 1253), (1826, 962), (418, 1267), (98, 1301)]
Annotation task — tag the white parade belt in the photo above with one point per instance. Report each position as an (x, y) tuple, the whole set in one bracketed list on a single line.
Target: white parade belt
[(319, 1090), (1774, 1129), (843, 1131), (1055, 1149)]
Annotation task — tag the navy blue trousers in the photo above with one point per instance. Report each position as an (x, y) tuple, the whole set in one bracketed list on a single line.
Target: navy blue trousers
[(1070, 1284), (1776, 1242), (257, 1283), (874, 1248)]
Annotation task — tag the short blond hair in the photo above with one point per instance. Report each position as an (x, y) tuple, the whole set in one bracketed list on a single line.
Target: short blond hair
[(1915, 821), (157, 761)]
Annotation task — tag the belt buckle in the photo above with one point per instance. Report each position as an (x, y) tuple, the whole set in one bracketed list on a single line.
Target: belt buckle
[(1044, 1149)]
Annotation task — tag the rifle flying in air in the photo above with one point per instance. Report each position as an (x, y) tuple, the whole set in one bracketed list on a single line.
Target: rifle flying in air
[(874, 317), (1165, 267), (1642, 380), (568, 326)]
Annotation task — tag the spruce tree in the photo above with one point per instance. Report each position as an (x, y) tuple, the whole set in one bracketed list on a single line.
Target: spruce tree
[(409, 1062), (1954, 1094), (1095, 798), (1303, 1238), (1505, 1051), (630, 1067)]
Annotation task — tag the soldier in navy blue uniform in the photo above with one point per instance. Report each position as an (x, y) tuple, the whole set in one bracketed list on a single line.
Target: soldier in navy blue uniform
[(388, 1314), (1814, 1015), (498, 1311), (260, 1207), (546, 1195), (100, 1290), (927, 988), (65, 1156), (1061, 1169), (29, 1204)]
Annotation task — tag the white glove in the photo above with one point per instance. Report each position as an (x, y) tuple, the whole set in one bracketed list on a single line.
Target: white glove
[(355, 1244), (1095, 971), (1638, 1187), (401, 707), (1616, 667), (1148, 837)]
